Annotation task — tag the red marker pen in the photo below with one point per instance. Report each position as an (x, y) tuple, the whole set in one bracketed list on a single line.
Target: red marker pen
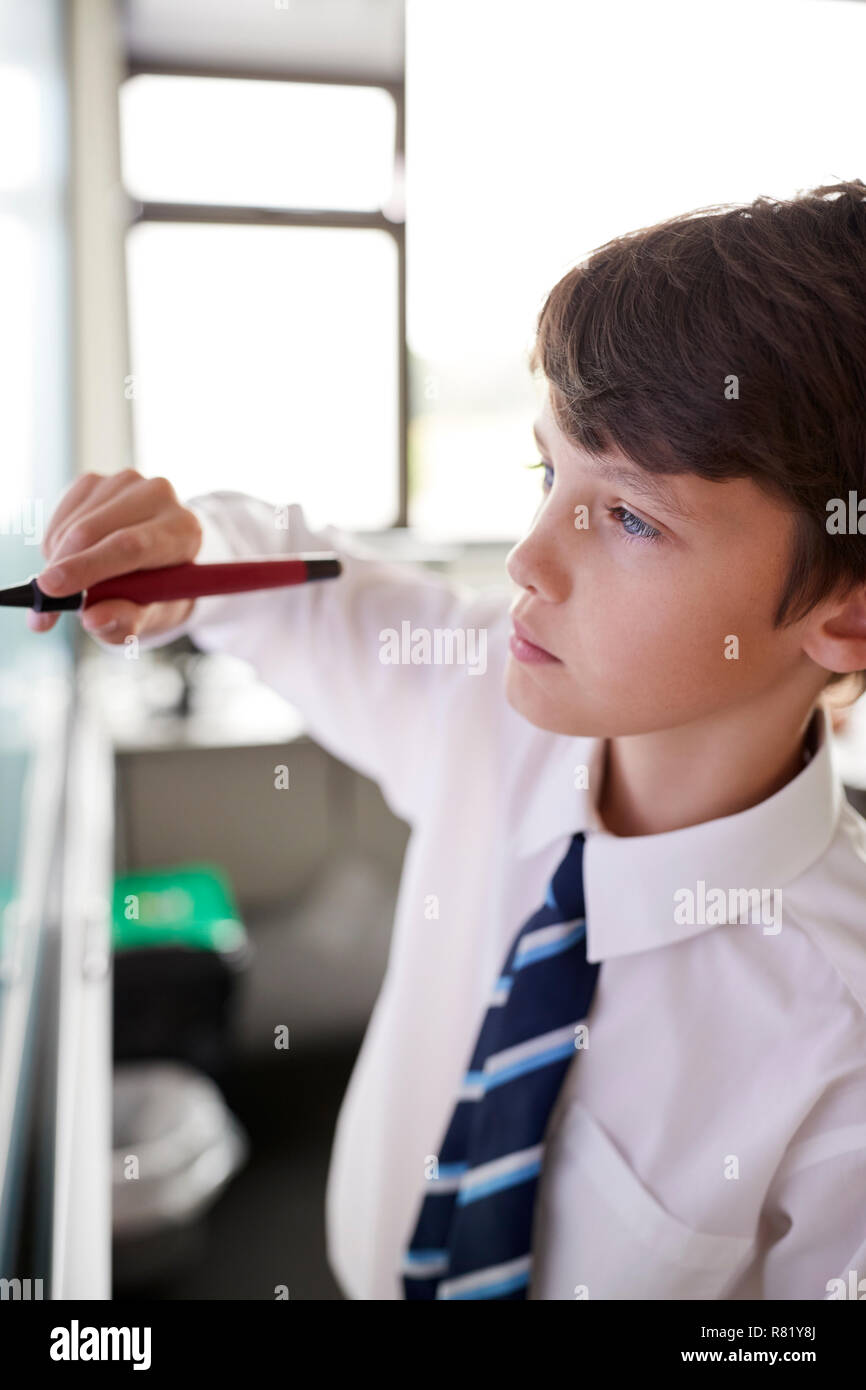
[(180, 581)]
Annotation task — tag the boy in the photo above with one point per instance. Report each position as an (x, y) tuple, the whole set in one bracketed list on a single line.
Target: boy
[(659, 775)]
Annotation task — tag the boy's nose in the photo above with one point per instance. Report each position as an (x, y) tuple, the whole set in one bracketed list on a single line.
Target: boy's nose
[(542, 563)]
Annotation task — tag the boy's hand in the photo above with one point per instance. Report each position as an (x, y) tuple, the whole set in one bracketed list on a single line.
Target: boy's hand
[(107, 524)]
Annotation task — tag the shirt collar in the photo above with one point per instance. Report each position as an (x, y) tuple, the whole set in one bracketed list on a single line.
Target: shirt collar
[(630, 882)]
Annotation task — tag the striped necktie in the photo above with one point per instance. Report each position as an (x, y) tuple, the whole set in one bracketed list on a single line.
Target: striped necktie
[(473, 1236)]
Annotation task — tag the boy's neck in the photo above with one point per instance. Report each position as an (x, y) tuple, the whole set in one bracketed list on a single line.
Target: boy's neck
[(674, 778)]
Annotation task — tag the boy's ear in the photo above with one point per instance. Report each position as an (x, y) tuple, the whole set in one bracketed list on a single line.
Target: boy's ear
[(835, 635)]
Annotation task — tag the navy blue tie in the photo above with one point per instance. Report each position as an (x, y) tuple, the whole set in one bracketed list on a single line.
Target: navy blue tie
[(473, 1237)]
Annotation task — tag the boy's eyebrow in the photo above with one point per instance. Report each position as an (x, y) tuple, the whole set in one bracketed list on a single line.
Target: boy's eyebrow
[(641, 482)]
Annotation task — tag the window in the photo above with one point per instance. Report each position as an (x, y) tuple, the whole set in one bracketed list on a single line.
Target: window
[(265, 270), (257, 143)]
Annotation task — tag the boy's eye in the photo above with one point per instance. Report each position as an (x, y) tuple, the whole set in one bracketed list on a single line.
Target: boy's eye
[(547, 476), (635, 527)]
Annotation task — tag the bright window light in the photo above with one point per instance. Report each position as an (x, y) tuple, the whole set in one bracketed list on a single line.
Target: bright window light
[(264, 359), (257, 143)]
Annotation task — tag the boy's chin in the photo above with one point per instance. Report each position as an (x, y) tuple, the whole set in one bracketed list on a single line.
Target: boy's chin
[(529, 699)]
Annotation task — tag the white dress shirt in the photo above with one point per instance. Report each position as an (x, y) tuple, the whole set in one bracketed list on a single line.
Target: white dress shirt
[(710, 1141)]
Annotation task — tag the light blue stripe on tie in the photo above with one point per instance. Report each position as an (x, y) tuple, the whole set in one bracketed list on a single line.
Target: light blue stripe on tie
[(501, 990), (549, 899), (518, 1281), (554, 941), (498, 1184), (447, 1179), (540, 1046), (498, 1171), (541, 1059), (472, 1086), (423, 1264), (488, 1283)]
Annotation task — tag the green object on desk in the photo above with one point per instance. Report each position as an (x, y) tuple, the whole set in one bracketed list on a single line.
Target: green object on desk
[(189, 905)]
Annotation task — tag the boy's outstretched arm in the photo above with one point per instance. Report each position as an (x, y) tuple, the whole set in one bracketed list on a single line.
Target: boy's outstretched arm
[(372, 659)]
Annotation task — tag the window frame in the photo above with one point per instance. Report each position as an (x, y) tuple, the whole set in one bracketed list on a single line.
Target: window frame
[(238, 215)]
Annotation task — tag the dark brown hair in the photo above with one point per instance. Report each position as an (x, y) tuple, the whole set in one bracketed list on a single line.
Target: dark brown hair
[(641, 343)]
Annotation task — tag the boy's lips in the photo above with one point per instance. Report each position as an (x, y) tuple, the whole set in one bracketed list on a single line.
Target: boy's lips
[(524, 647)]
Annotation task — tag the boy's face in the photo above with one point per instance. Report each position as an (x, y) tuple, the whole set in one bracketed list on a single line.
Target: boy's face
[(641, 606)]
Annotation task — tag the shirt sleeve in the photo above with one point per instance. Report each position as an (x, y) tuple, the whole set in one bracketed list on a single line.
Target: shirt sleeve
[(329, 646), (816, 1204)]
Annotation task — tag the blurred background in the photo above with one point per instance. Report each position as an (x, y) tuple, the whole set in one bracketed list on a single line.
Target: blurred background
[(296, 248)]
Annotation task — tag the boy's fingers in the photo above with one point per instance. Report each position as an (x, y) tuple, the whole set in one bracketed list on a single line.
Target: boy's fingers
[(164, 540), (113, 619), (100, 514), (73, 497), (40, 622)]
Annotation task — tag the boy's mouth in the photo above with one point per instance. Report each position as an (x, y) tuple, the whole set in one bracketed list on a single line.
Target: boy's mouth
[(525, 649)]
